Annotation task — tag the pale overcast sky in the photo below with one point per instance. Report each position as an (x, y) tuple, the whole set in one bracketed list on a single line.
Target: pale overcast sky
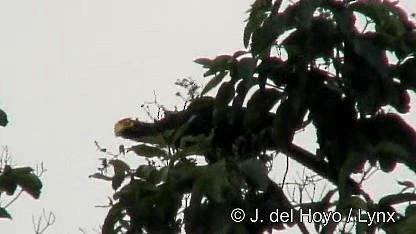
[(71, 68)]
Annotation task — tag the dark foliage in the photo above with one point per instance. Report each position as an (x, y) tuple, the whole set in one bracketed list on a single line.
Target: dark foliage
[(326, 72), (12, 178)]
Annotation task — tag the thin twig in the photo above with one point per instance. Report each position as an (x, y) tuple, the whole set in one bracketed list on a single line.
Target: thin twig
[(286, 171), (14, 199)]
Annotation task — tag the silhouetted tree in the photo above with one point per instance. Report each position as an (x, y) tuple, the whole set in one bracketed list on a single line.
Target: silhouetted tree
[(310, 63)]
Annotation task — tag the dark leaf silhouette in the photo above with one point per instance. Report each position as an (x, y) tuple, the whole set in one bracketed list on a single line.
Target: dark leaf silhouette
[(309, 64)]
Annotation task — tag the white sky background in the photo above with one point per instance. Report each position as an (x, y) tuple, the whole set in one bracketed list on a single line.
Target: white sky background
[(69, 69)]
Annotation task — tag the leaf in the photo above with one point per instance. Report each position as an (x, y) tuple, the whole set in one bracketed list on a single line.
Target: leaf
[(361, 228), (389, 19), (201, 103), (395, 199), (183, 176), (298, 15), (274, 69), (144, 171), (219, 64), (3, 118), (100, 176), (392, 138), (264, 100), (302, 13), (119, 166), (255, 173), (410, 210), (200, 140), (242, 89), (265, 36), (197, 192), (22, 170), (225, 94), (120, 171), (246, 68), (180, 132), (117, 180), (284, 124), (8, 181), (352, 161), (373, 56), (296, 45), (30, 183), (206, 62), (114, 215), (322, 38), (259, 105), (389, 152), (239, 53), (325, 35), (157, 176), (213, 82), (195, 149), (406, 183), (258, 13), (345, 21), (4, 213), (216, 183), (407, 225), (397, 96), (23, 177), (157, 139), (387, 163), (370, 9), (407, 73), (148, 151)]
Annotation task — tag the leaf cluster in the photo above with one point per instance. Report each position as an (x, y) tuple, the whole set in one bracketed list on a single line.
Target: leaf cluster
[(307, 64), (12, 178)]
